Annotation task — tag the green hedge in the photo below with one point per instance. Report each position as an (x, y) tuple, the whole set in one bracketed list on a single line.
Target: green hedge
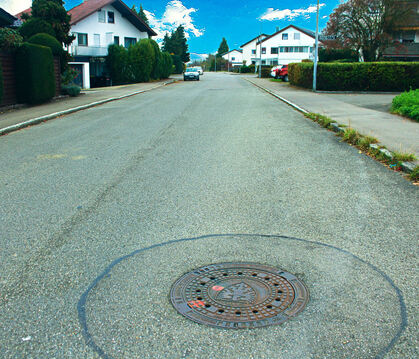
[(362, 76), (1, 83), (35, 78)]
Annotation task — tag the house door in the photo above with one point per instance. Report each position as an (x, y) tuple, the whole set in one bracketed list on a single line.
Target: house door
[(78, 80)]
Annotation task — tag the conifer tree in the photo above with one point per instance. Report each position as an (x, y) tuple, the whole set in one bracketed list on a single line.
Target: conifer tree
[(223, 48)]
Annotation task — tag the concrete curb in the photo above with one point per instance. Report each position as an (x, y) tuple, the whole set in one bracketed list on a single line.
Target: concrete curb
[(406, 167), (37, 120), (298, 108)]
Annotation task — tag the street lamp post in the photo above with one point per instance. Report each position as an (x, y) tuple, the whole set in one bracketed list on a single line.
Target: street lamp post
[(316, 51)]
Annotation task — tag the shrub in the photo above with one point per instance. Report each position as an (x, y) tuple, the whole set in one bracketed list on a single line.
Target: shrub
[(407, 104), (71, 89), (167, 65), (35, 26), (306, 60), (35, 78), (371, 76), (141, 59), (55, 46), (157, 63), (328, 55), (266, 72), (245, 69), (404, 156), (178, 64), (118, 64), (10, 39), (1, 83)]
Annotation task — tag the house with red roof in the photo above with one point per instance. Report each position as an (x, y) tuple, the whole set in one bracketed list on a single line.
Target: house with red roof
[(96, 24)]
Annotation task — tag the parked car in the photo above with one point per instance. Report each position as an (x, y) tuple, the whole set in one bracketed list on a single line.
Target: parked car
[(199, 68), (281, 73), (191, 73), (273, 70)]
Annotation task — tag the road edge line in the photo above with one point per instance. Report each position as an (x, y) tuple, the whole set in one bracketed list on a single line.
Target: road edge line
[(37, 120)]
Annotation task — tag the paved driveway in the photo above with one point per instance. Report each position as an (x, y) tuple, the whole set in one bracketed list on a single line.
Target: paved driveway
[(101, 211)]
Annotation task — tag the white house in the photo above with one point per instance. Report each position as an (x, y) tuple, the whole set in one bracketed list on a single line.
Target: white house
[(249, 50), (290, 44), (235, 57), (96, 24)]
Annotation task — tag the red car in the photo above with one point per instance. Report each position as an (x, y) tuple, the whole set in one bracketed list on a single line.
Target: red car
[(282, 73)]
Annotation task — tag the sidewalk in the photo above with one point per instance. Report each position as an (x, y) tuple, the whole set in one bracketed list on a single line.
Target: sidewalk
[(364, 112), (13, 119)]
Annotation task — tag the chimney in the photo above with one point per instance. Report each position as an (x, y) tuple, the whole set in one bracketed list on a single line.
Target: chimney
[(277, 29)]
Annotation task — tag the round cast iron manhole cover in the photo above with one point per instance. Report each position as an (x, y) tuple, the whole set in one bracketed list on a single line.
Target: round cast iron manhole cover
[(239, 295)]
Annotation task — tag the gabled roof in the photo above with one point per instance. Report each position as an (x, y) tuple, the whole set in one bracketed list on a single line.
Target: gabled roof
[(6, 19), (305, 31), (228, 52), (253, 39), (88, 7)]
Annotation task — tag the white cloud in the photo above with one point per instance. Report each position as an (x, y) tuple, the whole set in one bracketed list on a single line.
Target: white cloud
[(175, 14), (271, 14), (15, 6)]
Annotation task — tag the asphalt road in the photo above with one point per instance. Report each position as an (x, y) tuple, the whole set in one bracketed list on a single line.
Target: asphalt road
[(101, 211)]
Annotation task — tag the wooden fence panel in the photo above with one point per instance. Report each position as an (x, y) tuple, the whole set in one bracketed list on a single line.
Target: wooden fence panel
[(9, 81)]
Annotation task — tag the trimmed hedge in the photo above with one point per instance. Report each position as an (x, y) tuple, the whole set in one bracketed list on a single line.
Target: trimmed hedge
[(1, 83), (141, 58), (35, 78), (166, 65), (55, 46), (35, 26), (362, 76)]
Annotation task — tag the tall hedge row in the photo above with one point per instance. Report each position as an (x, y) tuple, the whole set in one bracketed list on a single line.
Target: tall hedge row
[(1, 83), (35, 78), (362, 76), (139, 63)]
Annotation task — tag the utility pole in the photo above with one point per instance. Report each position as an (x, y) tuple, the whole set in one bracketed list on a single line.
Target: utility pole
[(260, 53), (228, 62), (316, 51)]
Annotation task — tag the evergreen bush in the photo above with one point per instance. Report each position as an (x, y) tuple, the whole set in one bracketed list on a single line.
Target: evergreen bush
[(35, 26), (361, 76), (329, 55), (118, 65), (35, 78), (141, 59), (157, 63), (407, 104), (71, 89), (1, 83), (178, 64), (167, 65), (55, 46)]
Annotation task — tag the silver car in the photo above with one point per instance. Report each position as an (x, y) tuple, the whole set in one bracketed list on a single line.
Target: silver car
[(191, 73)]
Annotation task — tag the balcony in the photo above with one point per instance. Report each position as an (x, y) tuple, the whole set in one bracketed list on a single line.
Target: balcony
[(95, 51)]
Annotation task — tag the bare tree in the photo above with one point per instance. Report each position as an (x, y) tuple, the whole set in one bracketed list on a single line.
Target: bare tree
[(364, 25)]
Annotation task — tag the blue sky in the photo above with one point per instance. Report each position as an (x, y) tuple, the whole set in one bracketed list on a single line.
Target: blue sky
[(208, 21)]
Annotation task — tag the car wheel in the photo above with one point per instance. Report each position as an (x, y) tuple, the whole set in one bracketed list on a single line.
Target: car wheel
[(184, 79), (286, 78)]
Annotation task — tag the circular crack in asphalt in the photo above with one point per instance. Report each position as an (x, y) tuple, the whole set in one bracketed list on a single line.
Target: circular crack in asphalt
[(81, 306)]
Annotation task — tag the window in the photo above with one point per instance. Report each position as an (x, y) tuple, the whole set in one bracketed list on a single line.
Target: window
[(116, 40), (263, 50), (96, 39), (282, 49), (263, 62), (253, 52), (284, 36), (274, 62), (128, 41), (253, 62), (233, 58), (296, 36), (274, 50), (82, 39), (101, 15), (305, 49), (290, 49), (111, 17)]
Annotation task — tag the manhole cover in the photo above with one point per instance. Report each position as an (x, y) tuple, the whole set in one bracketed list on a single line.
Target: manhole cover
[(238, 295)]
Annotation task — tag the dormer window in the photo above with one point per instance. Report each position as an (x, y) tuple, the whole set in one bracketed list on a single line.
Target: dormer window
[(101, 15), (111, 17)]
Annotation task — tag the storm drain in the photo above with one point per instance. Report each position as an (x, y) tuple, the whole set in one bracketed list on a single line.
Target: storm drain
[(239, 295)]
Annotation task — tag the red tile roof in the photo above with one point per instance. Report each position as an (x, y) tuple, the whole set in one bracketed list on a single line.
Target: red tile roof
[(86, 8)]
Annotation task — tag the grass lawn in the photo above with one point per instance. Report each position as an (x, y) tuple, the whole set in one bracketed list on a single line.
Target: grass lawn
[(407, 104)]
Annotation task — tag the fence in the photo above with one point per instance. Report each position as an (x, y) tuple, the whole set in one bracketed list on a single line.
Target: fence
[(9, 78)]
